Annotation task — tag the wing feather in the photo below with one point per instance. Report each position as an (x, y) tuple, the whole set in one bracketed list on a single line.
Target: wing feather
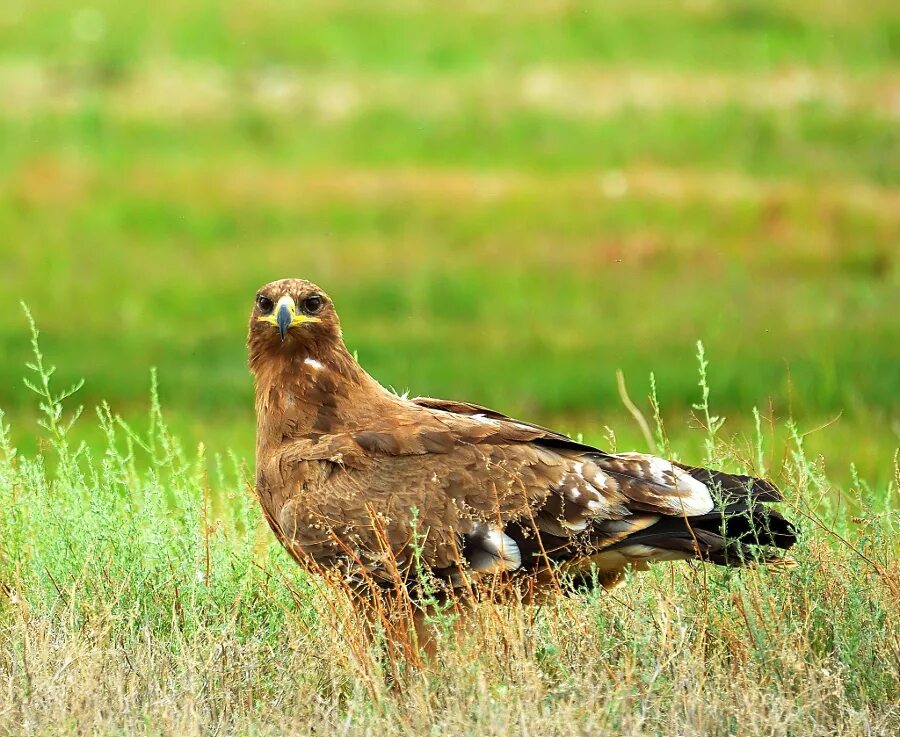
[(483, 493)]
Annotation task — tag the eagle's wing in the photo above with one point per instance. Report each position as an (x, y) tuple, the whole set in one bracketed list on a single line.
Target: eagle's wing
[(475, 491)]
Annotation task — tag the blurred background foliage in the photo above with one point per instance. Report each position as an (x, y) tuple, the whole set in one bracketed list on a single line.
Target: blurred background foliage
[(507, 201)]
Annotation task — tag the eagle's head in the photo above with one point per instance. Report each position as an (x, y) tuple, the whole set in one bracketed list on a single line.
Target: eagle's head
[(290, 317)]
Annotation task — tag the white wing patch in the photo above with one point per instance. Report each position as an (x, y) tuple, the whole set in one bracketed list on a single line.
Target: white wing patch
[(586, 495), (575, 526), (484, 419), (697, 499), (492, 550), (689, 496)]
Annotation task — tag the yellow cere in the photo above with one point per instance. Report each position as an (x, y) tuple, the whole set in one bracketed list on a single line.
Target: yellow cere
[(297, 318)]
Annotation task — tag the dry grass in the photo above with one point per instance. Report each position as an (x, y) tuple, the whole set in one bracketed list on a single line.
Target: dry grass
[(597, 184), (749, 657), (141, 594)]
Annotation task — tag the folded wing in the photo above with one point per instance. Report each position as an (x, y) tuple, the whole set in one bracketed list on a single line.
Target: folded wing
[(477, 493)]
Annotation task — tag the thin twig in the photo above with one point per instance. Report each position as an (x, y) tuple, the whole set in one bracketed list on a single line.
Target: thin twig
[(634, 411)]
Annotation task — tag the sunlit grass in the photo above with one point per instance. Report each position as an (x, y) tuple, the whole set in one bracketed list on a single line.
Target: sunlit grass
[(141, 593), (508, 206)]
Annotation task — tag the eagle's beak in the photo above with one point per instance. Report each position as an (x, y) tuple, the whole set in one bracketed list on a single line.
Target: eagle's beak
[(284, 317)]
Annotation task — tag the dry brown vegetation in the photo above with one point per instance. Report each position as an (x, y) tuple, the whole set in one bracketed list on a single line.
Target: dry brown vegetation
[(675, 653), (154, 601), (595, 184)]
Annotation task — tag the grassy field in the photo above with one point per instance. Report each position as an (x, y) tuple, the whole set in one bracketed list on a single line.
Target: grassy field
[(507, 206)]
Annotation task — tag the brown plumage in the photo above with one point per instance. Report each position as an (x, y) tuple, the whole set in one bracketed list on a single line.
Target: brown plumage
[(355, 479)]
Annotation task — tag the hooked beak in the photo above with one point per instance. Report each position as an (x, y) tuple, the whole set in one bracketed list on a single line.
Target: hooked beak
[(284, 317)]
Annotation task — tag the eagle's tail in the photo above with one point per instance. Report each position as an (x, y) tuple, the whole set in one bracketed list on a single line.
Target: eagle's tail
[(741, 529)]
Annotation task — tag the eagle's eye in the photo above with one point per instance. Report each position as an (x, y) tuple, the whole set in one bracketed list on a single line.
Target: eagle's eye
[(265, 304), (312, 305)]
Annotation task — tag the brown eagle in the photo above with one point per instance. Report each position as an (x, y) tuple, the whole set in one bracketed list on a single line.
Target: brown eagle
[(380, 488)]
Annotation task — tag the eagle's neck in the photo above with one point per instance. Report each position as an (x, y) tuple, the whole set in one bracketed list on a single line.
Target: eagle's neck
[(302, 393)]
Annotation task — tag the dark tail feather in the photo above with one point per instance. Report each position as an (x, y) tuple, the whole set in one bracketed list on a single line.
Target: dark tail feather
[(732, 487), (741, 529)]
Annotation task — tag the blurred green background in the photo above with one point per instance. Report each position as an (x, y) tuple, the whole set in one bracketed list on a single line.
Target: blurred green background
[(508, 201)]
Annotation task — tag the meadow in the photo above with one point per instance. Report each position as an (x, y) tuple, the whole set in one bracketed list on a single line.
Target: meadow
[(507, 207)]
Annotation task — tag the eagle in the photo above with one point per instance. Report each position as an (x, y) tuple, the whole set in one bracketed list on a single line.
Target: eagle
[(382, 491)]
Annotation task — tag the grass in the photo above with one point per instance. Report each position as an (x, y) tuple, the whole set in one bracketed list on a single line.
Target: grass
[(422, 37), (140, 593), (508, 207)]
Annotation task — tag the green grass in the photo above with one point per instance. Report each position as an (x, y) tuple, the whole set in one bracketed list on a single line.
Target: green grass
[(528, 300), (806, 144), (141, 593), (422, 36), (507, 206)]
